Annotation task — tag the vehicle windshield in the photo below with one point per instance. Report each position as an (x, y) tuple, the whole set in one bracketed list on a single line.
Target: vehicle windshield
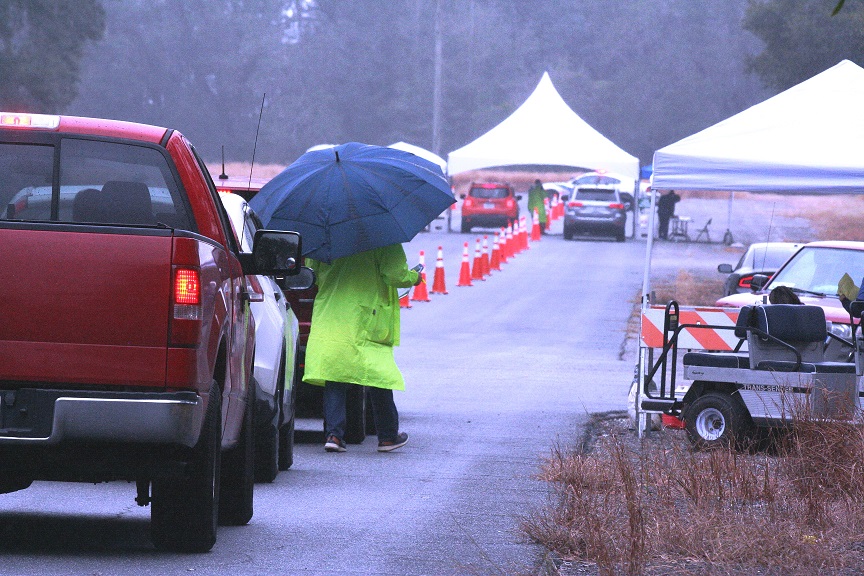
[(596, 179), (766, 257), (489, 192), (595, 194), (818, 269)]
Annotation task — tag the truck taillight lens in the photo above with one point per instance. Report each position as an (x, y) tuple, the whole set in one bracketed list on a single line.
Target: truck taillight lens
[(254, 289), (574, 205), (615, 206), (468, 202), (187, 287), (509, 203), (187, 294), (744, 281)]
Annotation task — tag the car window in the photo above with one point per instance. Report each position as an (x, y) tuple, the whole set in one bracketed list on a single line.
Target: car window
[(489, 192), (820, 269), (25, 188), (595, 195)]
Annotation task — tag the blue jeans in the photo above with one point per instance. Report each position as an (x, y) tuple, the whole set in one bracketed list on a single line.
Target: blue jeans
[(383, 411)]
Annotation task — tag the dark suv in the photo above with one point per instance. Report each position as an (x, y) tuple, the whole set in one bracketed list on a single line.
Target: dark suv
[(489, 205), (596, 209)]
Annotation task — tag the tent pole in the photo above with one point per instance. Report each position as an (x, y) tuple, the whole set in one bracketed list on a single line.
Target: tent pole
[(642, 421), (727, 237)]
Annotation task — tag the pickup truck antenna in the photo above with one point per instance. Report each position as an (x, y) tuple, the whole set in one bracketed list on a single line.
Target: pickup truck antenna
[(255, 146), (223, 176)]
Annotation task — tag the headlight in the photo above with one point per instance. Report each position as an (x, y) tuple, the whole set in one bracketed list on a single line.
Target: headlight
[(841, 330)]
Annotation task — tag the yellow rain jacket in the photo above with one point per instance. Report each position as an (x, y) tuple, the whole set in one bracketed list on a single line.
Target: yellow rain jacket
[(355, 319), (536, 195)]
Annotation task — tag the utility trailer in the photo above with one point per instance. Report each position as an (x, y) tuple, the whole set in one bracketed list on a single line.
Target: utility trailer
[(757, 367)]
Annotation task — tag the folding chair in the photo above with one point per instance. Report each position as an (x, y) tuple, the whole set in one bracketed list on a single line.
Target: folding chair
[(704, 230)]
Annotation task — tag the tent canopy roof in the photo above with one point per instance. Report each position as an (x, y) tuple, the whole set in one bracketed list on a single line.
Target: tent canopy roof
[(422, 153), (543, 131), (807, 139)]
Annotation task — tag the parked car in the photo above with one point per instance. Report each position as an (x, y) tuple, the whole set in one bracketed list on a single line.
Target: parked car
[(246, 188), (489, 205), (813, 273), (759, 258), (595, 209), (276, 336)]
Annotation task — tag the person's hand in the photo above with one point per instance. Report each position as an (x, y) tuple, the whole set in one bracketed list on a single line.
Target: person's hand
[(419, 279)]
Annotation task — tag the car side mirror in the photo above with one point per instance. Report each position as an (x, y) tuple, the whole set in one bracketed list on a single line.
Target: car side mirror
[(303, 280), (462, 196), (274, 253), (758, 282), (518, 197), (725, 268), (565, 197)]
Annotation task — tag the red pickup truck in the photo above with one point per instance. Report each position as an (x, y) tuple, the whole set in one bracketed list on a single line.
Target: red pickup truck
[(126, 341)]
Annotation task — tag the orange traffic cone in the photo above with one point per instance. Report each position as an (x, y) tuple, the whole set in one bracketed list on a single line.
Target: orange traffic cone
[(477, 268), (438, 285), (535, 228), (465, 269), (523, 232), (511, 242), (502, 246), (495, 260), (484, 257), (404, 301), (421, 293)]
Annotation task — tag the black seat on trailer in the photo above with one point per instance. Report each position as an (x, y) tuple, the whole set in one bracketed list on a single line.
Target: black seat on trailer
[(800, 328), (725, 359)]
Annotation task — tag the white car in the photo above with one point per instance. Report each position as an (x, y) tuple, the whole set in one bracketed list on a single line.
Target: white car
[(276, 341)]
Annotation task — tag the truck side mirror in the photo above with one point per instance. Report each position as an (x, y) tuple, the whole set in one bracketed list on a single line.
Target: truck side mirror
[(758, 282), (274, 253), (303, 280)]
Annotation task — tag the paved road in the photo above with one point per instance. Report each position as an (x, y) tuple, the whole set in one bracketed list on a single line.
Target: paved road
[(497, 373)]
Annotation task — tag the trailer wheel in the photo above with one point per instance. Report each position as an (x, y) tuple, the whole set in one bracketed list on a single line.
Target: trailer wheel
[(717, 420)]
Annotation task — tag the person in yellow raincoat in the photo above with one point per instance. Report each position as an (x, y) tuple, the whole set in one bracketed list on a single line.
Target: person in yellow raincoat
[(355, 325), (536, 197)]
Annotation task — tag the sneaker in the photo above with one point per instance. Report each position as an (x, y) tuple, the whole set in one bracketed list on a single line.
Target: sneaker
[(389, 445), (334, 444)]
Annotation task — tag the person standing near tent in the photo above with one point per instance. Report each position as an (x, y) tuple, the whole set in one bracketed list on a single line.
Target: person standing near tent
[(536, 197), (665, 211), (355, 325)]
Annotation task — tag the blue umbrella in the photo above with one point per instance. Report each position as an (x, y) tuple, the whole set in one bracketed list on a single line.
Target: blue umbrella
[(352, 198)]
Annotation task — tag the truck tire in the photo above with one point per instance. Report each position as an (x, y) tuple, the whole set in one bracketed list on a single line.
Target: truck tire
[(184, 511), (466, 227), (238, 473), (717, 420), (355, 414), (267, 436), (568, 233)]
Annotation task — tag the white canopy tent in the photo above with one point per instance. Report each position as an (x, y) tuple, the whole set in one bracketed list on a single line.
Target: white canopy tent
[(543, 131), (806, 140)]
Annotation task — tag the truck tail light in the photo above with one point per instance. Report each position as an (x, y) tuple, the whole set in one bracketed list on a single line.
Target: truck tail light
[(469, 202), (574, 205), (509, 203), (187, 294), (254, 289), (744, 281), (616, 206)]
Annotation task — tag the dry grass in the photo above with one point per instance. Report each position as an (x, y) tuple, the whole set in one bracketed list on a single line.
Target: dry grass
[(690, 288), (625, 506)]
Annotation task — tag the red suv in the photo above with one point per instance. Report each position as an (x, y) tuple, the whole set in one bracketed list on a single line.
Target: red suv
[(489, 205)]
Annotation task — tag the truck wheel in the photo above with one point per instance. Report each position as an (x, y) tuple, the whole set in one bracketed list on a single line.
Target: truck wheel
[(620, 237), (717, 420), (466, 227), (568, 233), (184, 512), (286, 432), (267, 436), (355, 414), (238, 473)]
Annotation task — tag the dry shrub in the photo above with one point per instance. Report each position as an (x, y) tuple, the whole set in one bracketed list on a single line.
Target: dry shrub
[(689, 288), (658, 507), (833, 217)]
